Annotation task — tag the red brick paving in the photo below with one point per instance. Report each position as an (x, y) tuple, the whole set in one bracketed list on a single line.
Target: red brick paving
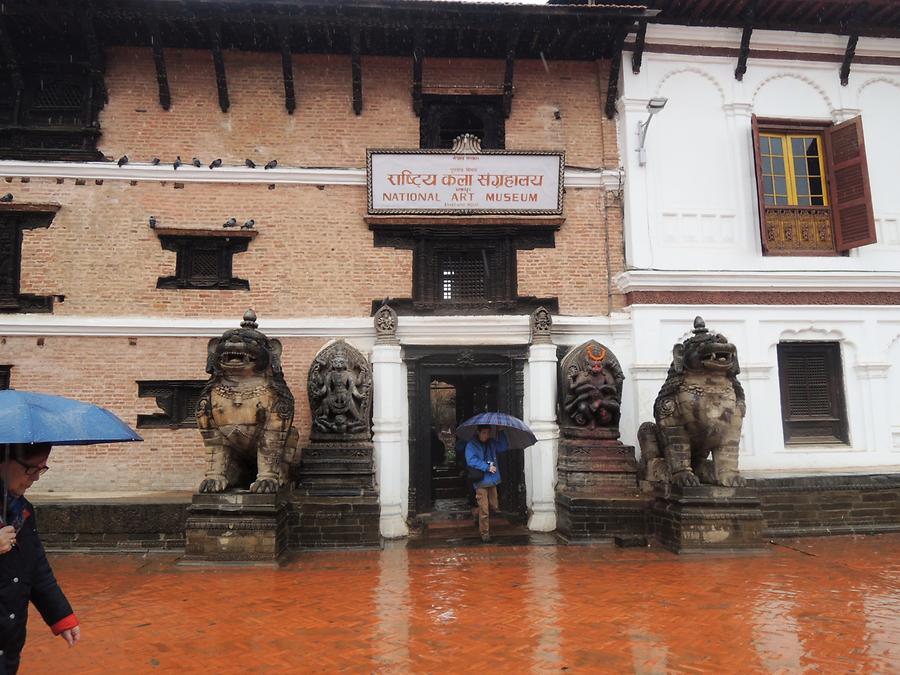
[(825, 605)]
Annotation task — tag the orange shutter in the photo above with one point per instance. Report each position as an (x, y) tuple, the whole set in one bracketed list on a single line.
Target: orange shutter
[(851, 196), (760, 195)]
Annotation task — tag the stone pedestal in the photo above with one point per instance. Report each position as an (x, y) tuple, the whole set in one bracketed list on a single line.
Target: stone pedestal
[(706, 518), (335, 501), (236, 527), (597, 494)]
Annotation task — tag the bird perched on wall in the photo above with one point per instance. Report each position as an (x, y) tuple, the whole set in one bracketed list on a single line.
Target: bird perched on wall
[(215, 164), (7, 197), (249, 163), (272, 164), (123, 160), (196, 162), (152, 222), (154, 161), (231, 222), (248, 225), (177, 162)]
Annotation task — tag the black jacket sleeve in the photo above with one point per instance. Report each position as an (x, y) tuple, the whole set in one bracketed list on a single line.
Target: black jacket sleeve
[(46, 594)]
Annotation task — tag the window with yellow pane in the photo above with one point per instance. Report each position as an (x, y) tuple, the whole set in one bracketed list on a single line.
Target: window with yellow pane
[(813, 187), (793, 170)]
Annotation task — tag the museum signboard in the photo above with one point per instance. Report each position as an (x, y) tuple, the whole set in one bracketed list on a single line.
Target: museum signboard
[(447, 182)]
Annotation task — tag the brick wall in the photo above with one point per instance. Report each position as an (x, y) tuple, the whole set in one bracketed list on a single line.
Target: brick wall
[(312, 242), (822, 505), (104, 370)]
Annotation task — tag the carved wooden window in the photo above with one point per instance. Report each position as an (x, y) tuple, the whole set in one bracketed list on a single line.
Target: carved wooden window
[(5, 372), (468, 270), (812, 187), (443, 118), (812, 393), (12, 226), (54, 117), (203, 262), (177, 399)]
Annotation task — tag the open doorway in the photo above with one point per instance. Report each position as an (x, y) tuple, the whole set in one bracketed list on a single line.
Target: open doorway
[(446, 389)]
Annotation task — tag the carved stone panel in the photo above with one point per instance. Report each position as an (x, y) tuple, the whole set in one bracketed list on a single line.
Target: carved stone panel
[(340, 395), (590, 389)]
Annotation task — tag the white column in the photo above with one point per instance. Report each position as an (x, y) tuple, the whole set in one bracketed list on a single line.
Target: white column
[(391, 458), (540, 459)]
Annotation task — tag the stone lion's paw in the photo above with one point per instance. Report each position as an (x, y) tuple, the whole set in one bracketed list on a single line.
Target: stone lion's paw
[(685, 479), (213, 485), (264, 485), (733, 480)]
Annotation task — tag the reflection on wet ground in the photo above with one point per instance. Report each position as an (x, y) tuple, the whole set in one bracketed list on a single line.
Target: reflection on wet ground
[(823, 605)]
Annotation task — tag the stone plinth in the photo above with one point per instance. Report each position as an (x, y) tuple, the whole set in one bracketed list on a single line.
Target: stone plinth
[(236, 526), (706, 518), (597, 491), (335, 500), (334, 470)]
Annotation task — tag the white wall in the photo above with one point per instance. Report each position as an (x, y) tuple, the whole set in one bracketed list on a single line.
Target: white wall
[(870, 351), (693, 206), (692, 224)]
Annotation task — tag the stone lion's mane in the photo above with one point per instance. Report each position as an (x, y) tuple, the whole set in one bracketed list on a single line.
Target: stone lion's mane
[(284, 405)]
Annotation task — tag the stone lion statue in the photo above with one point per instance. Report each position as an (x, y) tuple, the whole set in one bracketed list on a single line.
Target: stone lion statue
[(699, 412), (246, 412)]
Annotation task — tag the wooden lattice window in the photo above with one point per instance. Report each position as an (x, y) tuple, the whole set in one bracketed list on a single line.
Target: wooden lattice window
[(812, 187), (204, 262), (177, 399), (53, 116), (463, 276), (812, 393), (5, 372), (12, 227), (443, 118)]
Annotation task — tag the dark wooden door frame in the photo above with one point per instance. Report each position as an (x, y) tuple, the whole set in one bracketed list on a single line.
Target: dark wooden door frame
[(424, 363)]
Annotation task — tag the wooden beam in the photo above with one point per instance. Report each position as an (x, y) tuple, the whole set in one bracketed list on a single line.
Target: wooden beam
[(215, 43), (287, 68), (356, 70), (615, 66), (159, 60), (743, 55), (512, 39), (849, 53), (95, 56), (637, 56), (858, 17), (418, 64)]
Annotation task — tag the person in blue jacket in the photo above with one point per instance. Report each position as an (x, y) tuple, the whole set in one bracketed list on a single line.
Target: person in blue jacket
[(481, 454)]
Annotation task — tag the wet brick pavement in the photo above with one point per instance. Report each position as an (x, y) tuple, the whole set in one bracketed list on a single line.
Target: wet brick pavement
[(812, 605)]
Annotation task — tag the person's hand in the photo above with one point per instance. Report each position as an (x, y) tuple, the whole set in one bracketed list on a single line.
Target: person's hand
[(7, 539), (71, 635), (493, 468)]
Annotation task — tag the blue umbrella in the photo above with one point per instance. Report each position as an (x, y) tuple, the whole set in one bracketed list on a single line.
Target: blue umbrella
[(517, 432), (29, 418), (26, 417)]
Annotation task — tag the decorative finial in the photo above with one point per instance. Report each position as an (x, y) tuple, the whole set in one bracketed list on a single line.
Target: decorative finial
[(541, 326), (249, 320), (699, 326), (466, 144)]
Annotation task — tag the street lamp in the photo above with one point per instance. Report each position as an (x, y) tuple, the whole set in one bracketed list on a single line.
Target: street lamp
[(654, 105)]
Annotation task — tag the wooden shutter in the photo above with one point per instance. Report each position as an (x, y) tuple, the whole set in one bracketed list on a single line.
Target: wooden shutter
[(812, 401), (760, 194), (851, 195)]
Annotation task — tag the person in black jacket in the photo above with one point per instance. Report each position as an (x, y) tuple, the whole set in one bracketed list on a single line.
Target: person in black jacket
[(25, 573)]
